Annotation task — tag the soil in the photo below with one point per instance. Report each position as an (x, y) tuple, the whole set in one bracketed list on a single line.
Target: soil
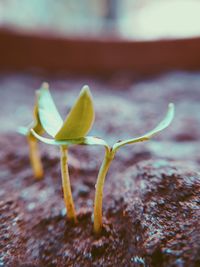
[(152, 192)]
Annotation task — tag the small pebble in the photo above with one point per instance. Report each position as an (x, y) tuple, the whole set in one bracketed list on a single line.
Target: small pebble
[(83, 190), (138, 260), (31, 206), (63, 212)]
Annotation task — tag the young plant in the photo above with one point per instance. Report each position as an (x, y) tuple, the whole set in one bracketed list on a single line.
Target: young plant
[(34, 154), (109, 156), (72, 131)]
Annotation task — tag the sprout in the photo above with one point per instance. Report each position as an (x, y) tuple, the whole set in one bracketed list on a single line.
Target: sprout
[(109, 156), (72, 131), (32, 141)]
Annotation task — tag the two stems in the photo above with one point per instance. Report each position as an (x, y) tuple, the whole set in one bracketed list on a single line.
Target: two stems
[(68, 199), (98, 222), (69, 203)]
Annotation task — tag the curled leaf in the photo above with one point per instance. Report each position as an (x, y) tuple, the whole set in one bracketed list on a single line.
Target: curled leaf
[(91, 140), (161, 126), (88, 140), (80, 118), (49, 116)]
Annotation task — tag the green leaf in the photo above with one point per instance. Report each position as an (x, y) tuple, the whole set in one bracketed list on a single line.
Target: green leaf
[(55, 142), (49, 116), (91, 140), (80, 118), (88, 140), (161, 126)]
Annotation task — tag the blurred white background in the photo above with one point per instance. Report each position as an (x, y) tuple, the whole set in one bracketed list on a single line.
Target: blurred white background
[(134, 19)]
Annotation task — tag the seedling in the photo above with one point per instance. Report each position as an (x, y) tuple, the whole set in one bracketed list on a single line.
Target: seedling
[(72, 131), (34, 154), (108, 158)]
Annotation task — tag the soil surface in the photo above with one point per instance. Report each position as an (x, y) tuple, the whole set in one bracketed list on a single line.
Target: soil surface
[(152, 192)]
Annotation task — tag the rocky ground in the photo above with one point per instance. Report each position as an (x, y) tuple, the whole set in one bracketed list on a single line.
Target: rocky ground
[(151, 198)]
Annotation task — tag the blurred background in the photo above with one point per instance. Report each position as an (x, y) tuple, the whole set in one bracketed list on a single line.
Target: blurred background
[(132, 19), (100, 37)]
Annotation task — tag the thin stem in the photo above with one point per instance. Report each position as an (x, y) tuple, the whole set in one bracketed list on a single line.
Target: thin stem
[(99, 191), (34, 156), (69, 203)]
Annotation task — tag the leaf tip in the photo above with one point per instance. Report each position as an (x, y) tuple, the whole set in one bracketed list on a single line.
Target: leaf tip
[(45, 85), (171, 106), (171, 109), (85, 91)]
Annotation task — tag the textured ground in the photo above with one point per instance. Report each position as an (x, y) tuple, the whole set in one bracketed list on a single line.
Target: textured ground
[(151, 203)]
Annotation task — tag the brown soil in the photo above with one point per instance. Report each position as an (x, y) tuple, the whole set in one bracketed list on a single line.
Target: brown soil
[(152, 192)]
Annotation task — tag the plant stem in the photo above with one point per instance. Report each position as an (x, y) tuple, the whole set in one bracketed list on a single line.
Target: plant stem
[(99, 191), (35, 157), (69, 203)]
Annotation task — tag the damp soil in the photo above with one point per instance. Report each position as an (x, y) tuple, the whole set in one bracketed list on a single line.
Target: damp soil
[(152, 192)]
